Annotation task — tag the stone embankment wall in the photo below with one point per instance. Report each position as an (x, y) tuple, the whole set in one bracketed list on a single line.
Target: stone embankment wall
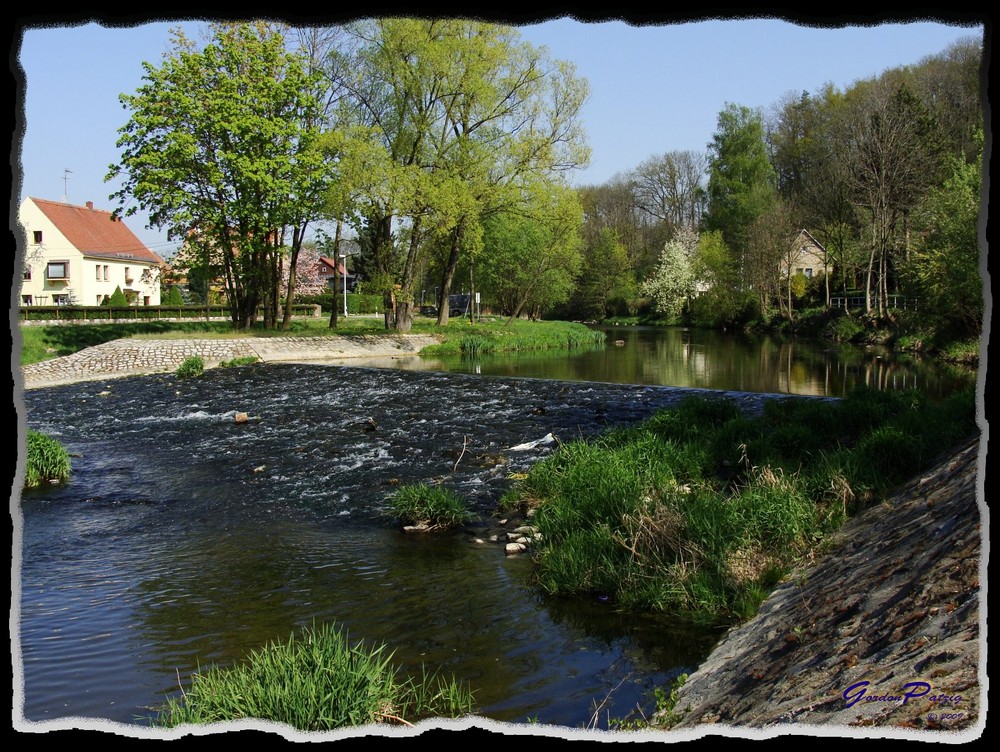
[(131, 357), (882, 630)]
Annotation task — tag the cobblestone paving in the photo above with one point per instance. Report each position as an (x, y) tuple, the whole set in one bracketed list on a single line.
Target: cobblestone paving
[(131, 357)]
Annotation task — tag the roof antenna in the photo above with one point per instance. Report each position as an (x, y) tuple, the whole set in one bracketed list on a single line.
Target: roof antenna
[(66, 173)]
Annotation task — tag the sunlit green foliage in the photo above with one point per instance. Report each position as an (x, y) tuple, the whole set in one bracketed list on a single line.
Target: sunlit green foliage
[(947, 257), (46, 460), (700, 509), (219, 149), (191, 367), (316, 681), (423, 504)]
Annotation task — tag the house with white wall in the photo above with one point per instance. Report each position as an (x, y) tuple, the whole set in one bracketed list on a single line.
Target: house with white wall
[(78, 255)]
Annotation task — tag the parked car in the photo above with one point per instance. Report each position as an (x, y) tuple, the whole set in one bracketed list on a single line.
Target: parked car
[(458, 305)]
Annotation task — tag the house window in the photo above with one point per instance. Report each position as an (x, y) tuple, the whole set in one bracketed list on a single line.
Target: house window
[(128, 275), (105, 272), (60, 300), (145, 300), (98, 268), (37, 234), (26, 300), (99, 298), (809, 273), (57, 270), (27, 273)]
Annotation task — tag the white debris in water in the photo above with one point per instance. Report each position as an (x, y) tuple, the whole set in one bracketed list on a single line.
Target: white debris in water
[(546, 439)]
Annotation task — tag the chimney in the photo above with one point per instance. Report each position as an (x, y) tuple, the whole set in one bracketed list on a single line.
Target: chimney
[(90, 205)]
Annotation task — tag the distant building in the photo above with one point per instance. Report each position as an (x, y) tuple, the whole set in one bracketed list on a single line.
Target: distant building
[(78, 255), (325, 271), (807, 256)]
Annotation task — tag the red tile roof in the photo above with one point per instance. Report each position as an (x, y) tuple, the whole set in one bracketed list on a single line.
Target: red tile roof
[(330, 264), (94, 233)]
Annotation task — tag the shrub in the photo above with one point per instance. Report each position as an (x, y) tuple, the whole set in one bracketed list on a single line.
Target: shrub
[(845, 328), (47, 460), (246, 360), (887, 455), (191, 367), (173, 297), (118, 299), (423, 504), (317, 682), (962, 352)]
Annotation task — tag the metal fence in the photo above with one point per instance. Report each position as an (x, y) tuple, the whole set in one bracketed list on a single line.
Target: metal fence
[(858, 301), (118, 314)]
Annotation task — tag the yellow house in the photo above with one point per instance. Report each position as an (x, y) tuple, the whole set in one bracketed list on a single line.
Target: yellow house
[(807, 256), (78, 255)]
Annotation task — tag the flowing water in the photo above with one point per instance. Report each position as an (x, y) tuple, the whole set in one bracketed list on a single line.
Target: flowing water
[(185, 538)]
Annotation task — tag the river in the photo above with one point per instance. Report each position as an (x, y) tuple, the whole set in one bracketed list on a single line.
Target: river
[(185, 538)]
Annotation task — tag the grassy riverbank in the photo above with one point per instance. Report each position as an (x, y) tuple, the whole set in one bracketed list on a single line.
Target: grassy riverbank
[(902, 332), (700, 510), (40, 343)]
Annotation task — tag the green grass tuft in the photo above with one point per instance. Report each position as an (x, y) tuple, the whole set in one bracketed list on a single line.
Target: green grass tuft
[(316, 681), (424, 504), (47, 460), (191, 367), (246, 360)]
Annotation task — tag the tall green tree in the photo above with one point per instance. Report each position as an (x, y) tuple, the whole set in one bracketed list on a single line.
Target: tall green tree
[(220, 149), (530, 259), (742, 184), (616, 205), (393, 71), (893, 155), (513, 113), (949, 85), (723, 300), (467, 115), (947, 260), (606, 275)]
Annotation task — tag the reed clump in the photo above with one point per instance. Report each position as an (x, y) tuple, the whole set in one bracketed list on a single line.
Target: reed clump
[(429, 506), (316, 681), (46, 460), (700, 510)]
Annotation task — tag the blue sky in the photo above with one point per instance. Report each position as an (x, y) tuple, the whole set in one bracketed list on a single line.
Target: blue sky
[(654, 89)]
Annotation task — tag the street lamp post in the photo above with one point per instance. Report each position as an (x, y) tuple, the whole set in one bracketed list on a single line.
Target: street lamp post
[(343, 258)]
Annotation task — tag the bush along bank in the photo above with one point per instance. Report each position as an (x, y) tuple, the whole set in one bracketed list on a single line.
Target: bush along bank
[(493, 337), (701, 510), (902, 332)]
